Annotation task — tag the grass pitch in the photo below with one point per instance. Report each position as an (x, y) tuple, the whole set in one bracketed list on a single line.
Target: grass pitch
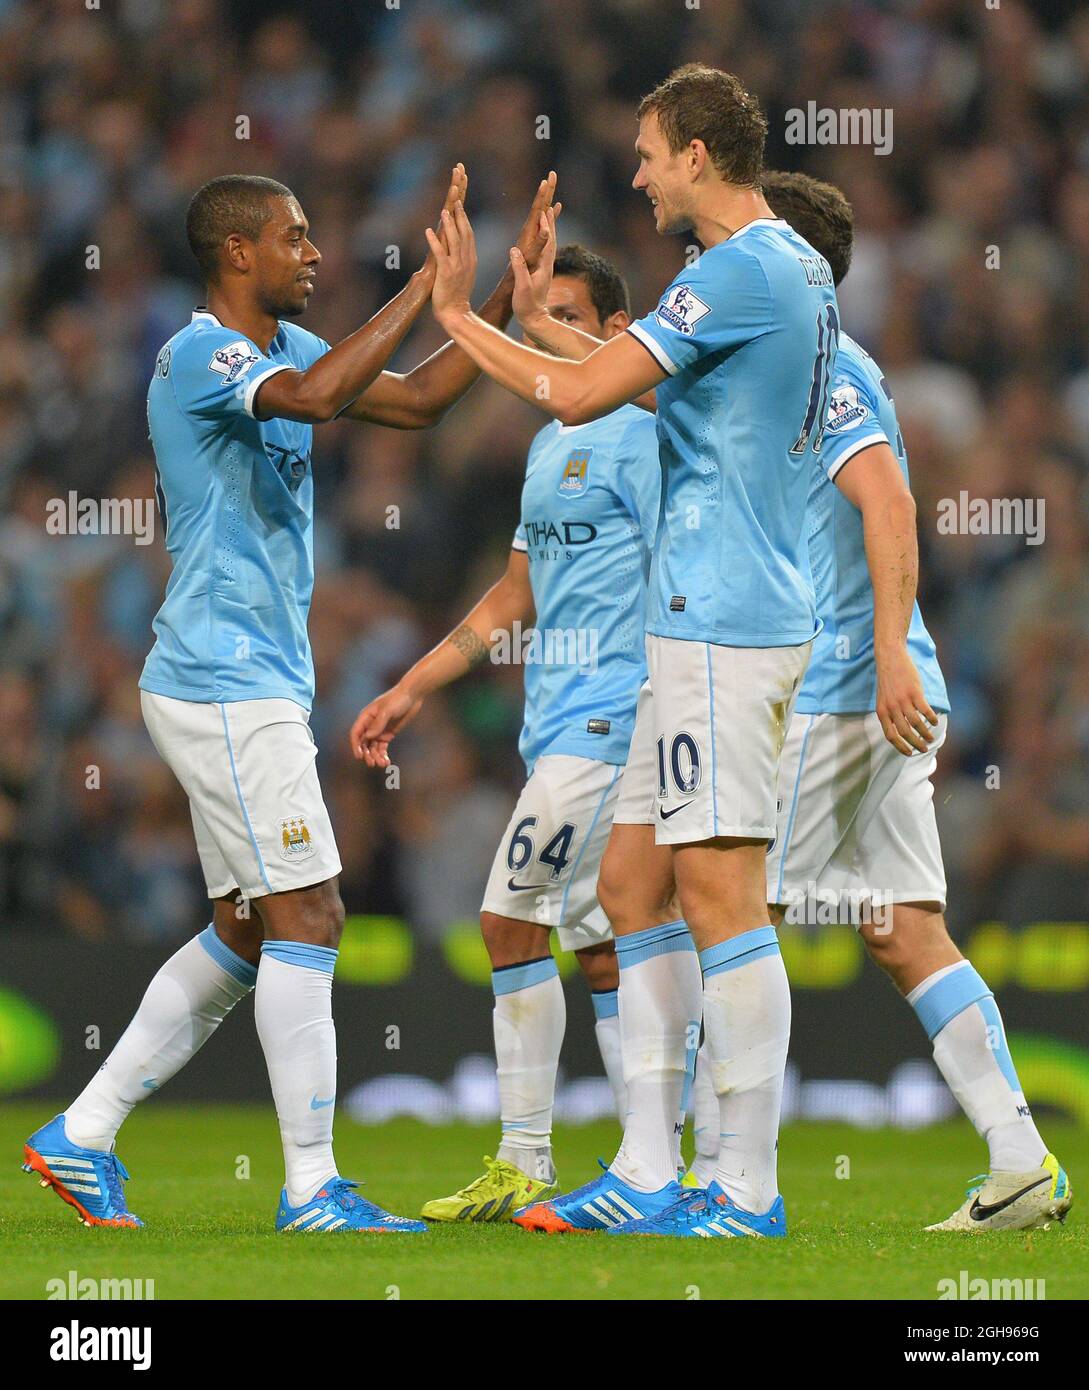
[(209, 1232)]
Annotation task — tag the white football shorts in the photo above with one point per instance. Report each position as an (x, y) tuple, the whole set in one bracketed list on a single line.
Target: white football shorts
[(856, 818), (247, 767), (545, 869), (709, 732)]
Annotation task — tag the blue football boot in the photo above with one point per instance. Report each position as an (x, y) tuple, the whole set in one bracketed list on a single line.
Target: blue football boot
[(709, 1213), (87, 1179), (601, 1205), (336, 1207)]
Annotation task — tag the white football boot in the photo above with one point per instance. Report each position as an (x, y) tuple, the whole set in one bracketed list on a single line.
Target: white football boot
[(1014, 1201)]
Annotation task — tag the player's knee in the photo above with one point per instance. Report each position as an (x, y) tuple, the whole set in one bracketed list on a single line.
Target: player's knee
[(909, 939), (598, 964), (887, 948), (325, 916), (238, 927), (509, 942)]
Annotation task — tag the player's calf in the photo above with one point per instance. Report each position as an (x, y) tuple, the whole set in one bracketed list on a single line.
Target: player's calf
[(602, 974), (1025, 1186), (529, 1020), (659, 978), (186, 1001), (293, 1010)]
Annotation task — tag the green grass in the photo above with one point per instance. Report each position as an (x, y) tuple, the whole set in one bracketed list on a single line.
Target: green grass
[(209, 1234)]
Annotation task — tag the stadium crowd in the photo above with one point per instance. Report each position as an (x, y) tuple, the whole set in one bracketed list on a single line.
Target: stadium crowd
[(970, 284)]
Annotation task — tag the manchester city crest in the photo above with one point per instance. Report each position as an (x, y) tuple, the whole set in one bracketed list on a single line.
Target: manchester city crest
[(576, 470), (295, 841)]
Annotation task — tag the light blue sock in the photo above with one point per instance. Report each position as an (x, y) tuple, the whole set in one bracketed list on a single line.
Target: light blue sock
[(962, 1022)]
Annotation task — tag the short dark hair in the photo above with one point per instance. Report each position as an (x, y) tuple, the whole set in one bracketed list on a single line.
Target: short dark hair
[(608, 291), (817, 211), (232, 203), (700, 103)]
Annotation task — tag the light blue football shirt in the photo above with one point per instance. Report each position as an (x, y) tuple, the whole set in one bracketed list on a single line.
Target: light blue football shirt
[(842, 676), (748, 337), (589, 514), (236, 495)]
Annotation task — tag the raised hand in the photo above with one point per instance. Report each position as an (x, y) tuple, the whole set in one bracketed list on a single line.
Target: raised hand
[(532, 282), (455, 193), (455, 258), (532, 239), (379, 722)]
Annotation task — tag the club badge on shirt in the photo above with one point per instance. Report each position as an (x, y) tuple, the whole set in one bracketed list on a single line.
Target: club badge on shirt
[(576, 471)]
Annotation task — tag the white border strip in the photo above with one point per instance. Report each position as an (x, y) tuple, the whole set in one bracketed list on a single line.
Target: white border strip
[(640, 334), (251, 389), (856, 448)]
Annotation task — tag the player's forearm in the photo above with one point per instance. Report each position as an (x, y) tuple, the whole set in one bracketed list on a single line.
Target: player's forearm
[(346, 370), (566, 390), (892, 557), (559, 339), (442, 380), (565, 340), (469, 644)]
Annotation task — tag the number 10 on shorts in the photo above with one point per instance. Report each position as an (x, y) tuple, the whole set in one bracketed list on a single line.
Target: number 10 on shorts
[(683, 765)]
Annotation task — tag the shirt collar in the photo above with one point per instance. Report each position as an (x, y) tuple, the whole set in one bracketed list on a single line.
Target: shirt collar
[(200, 313), (757, 222)]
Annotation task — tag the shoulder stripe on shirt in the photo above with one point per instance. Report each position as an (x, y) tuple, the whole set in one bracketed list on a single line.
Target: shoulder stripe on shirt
[(857, 446), (251, 389), (655, 349)]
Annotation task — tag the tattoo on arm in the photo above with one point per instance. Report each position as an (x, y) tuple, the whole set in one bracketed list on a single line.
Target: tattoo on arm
[(469, 645)]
